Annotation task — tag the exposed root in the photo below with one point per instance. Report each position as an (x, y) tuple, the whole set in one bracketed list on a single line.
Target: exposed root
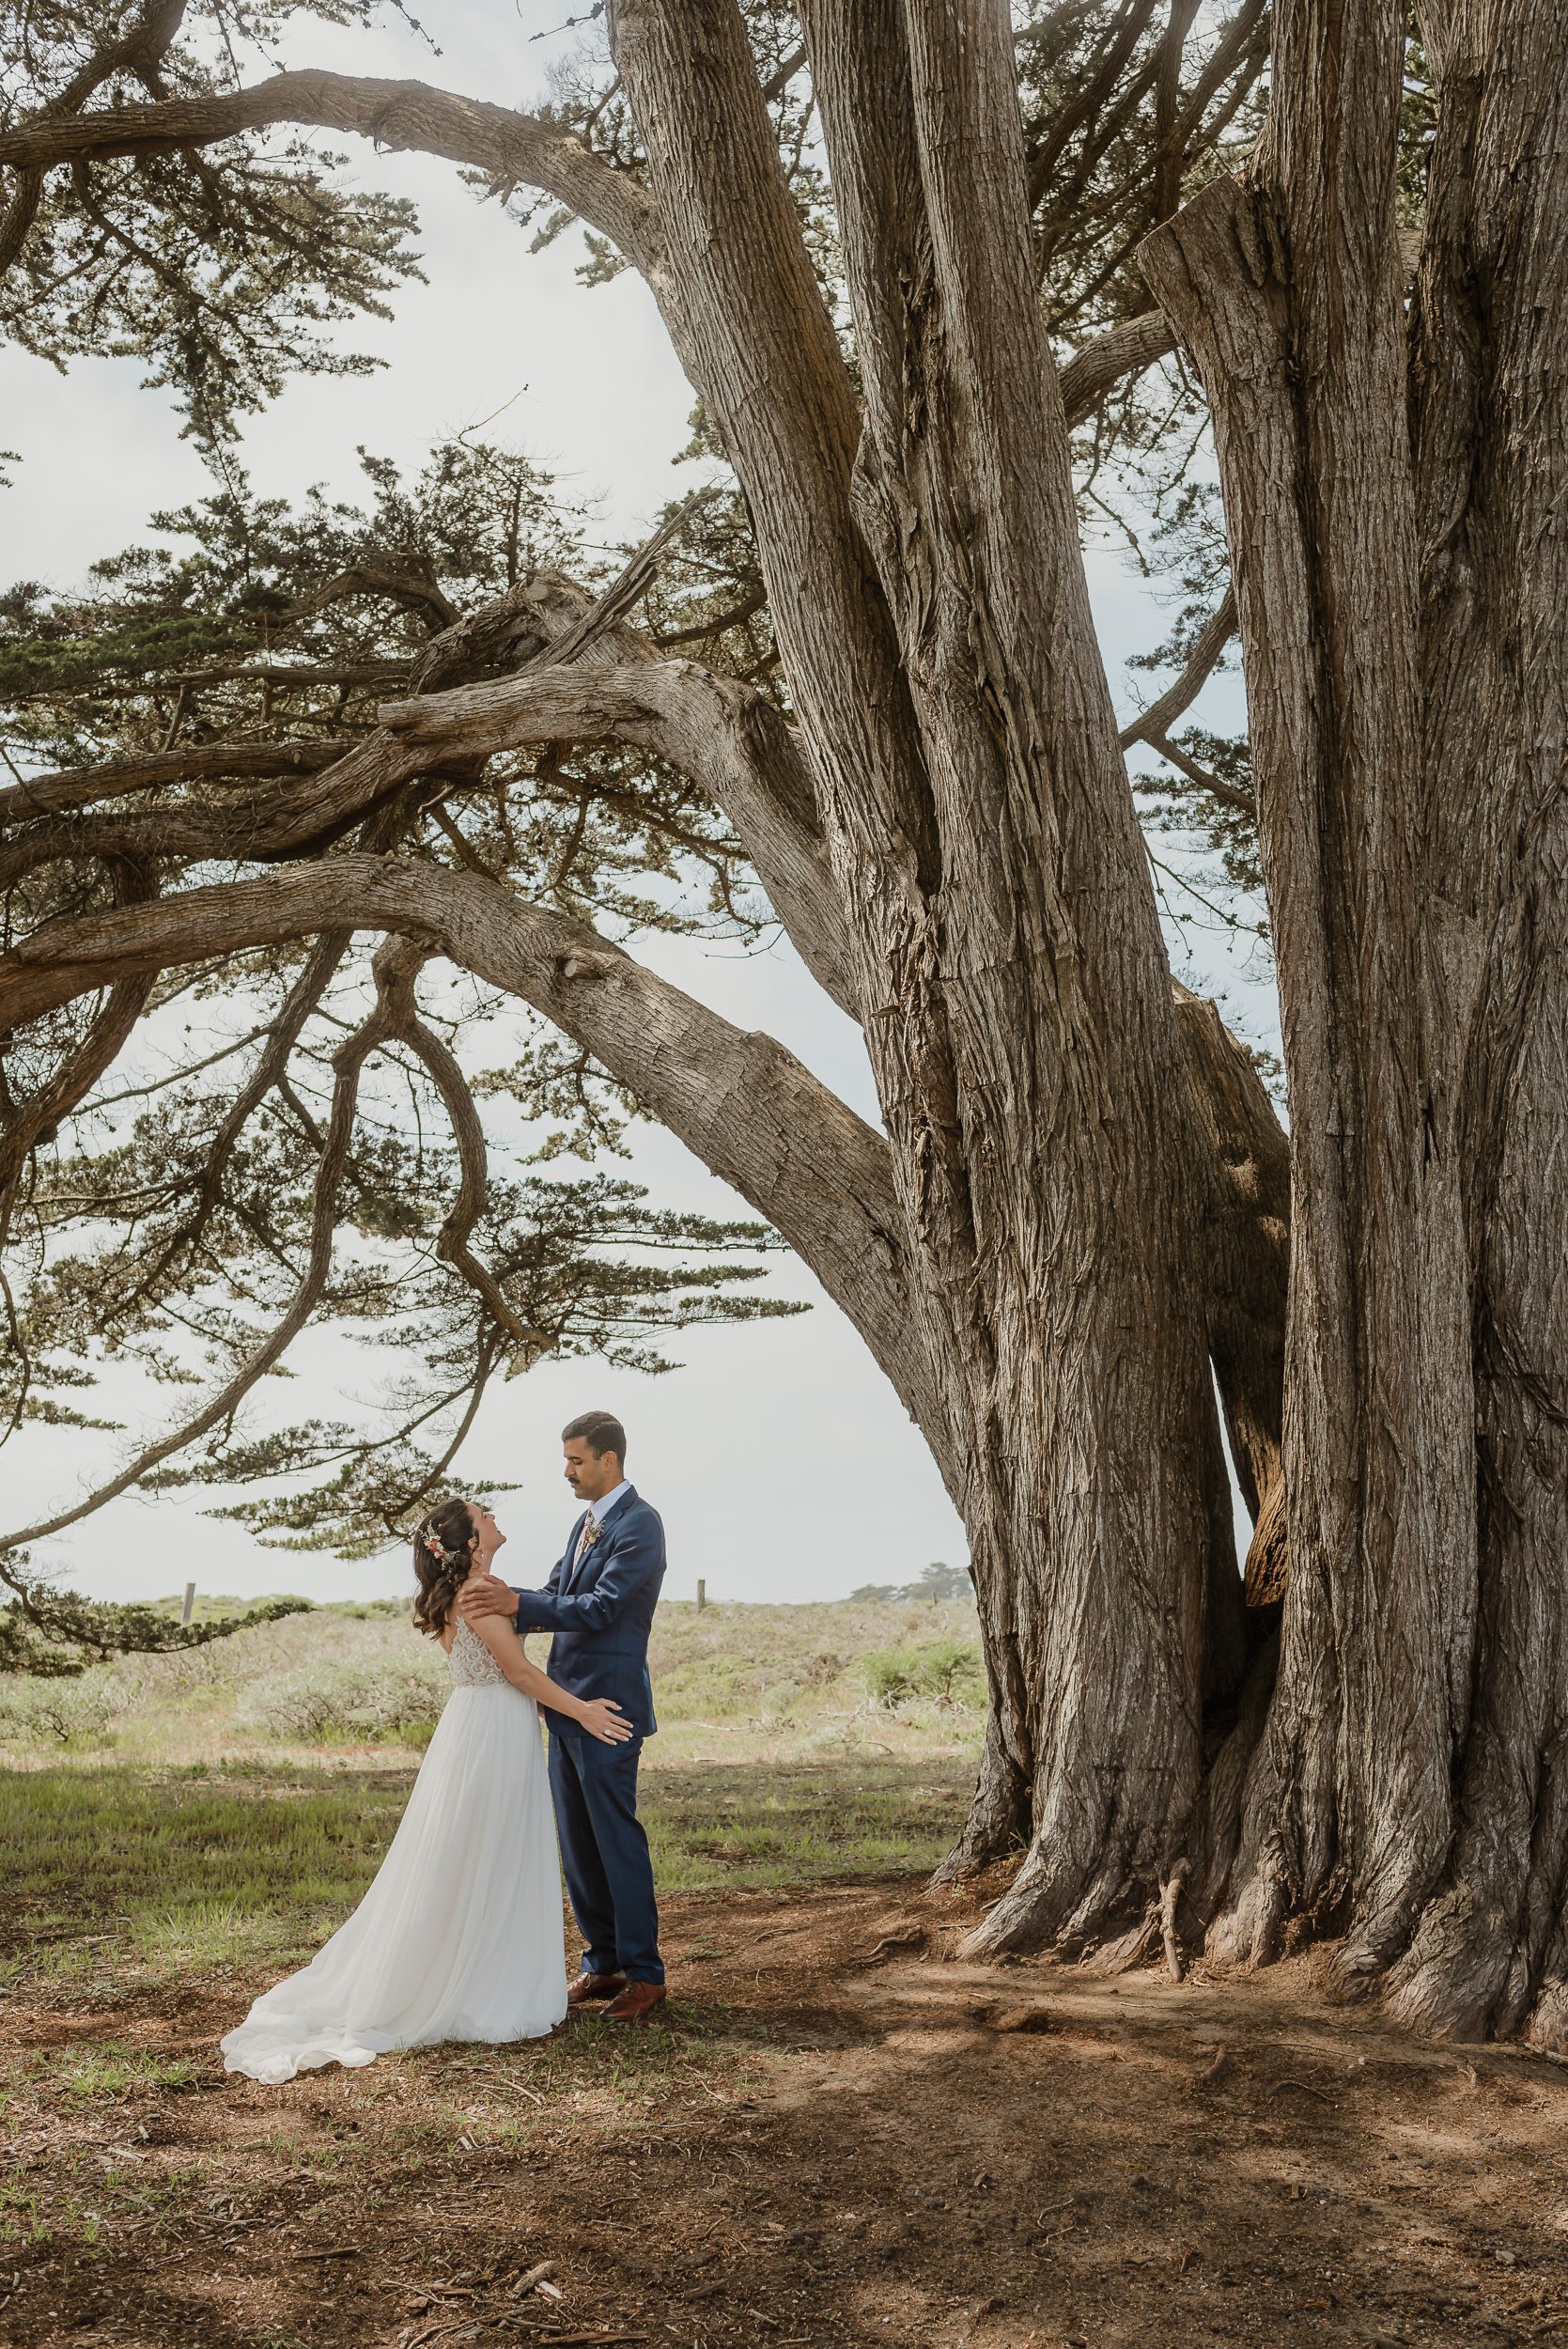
[(1251, 1931), (1548, 2027), (1170, 1895), (1056, 1902)]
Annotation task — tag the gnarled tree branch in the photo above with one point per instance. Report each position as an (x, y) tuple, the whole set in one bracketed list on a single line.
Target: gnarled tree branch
[(402, 115), (117, 778), (452, 1244), (1100, 365), (745, 1106), (727, 737)]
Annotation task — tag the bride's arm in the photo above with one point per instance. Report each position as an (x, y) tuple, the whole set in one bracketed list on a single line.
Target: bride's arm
[(597, 1715)]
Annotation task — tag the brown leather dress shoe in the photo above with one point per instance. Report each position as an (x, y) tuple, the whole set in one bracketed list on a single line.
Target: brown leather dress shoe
[(588, 1987), (636, 2002)]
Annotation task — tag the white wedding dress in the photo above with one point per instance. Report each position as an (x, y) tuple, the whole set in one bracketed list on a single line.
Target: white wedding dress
[(460, 1935)]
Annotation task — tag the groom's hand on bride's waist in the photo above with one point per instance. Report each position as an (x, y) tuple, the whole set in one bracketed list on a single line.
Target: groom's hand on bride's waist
[(486, 1595)]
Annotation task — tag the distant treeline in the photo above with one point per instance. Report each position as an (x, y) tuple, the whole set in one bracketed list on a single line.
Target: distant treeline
[(936, 1583)]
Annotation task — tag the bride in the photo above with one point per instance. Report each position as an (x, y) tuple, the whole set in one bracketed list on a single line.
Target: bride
[(459, 1937)]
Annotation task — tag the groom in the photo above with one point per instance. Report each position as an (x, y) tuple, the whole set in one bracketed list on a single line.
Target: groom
[(599, 1602)]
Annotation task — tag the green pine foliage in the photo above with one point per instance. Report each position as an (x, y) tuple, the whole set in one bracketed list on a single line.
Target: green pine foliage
[(53, 1634), (168, 1222), (222, 271)]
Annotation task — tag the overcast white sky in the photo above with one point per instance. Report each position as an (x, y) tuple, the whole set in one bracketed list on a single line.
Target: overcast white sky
[(781, 1460)]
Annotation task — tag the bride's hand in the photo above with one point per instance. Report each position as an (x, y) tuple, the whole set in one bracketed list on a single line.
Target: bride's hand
[(605, 1721)]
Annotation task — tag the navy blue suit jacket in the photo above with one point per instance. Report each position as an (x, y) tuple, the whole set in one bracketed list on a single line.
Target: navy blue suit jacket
[(602, 1624)]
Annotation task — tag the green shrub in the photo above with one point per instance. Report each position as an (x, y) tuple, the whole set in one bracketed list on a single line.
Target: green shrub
[(944, 1672), (77, 1711), (299, 1708), (374, 1700), (401, 1697)]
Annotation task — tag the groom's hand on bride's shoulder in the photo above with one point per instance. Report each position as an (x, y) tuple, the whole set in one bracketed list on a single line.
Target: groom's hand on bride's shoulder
[(486, 1595)]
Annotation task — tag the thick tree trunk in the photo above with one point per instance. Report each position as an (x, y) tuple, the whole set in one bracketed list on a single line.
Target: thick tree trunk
[(964, 869), (1490, 380), (927, 588), (1410, 736)]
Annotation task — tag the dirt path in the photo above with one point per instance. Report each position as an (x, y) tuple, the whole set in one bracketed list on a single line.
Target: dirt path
[(816, 2149)]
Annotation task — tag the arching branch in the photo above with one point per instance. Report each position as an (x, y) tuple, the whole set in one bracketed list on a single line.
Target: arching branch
[(29, 1121), (117, 778), (742, 1103), (401, 116), (143, 45), (1161, 715), (728, 738)]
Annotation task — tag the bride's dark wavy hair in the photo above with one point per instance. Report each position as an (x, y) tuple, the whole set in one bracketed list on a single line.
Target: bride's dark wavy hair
[(441, 1562)]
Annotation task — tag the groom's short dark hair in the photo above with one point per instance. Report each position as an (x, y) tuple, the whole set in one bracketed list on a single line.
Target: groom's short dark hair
[(601, 1431)]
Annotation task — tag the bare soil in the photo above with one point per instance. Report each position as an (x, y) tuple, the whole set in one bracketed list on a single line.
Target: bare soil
[(839, 2135)]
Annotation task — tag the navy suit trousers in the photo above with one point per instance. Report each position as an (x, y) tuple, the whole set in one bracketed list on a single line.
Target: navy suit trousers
[(604, 1852)]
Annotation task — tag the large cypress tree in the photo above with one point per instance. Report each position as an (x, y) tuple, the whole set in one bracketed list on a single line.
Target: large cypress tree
[(904, 249)]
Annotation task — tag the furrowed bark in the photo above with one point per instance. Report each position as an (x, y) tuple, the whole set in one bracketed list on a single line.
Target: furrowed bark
[(998, 1820), (1286, 286), (1490, 406)]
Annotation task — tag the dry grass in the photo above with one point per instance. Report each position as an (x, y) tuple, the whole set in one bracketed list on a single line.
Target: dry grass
[(351, 1686)]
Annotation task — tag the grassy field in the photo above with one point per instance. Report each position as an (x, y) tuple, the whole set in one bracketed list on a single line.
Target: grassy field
[(170, 1817)]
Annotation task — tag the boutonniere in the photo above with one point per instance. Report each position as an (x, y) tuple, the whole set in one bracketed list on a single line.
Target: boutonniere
[(590, 1534)]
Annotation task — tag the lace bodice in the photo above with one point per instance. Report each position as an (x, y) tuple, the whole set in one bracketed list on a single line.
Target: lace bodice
[(470, 1662)]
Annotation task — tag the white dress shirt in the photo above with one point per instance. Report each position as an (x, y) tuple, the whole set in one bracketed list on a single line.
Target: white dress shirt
[(600, 1509)]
